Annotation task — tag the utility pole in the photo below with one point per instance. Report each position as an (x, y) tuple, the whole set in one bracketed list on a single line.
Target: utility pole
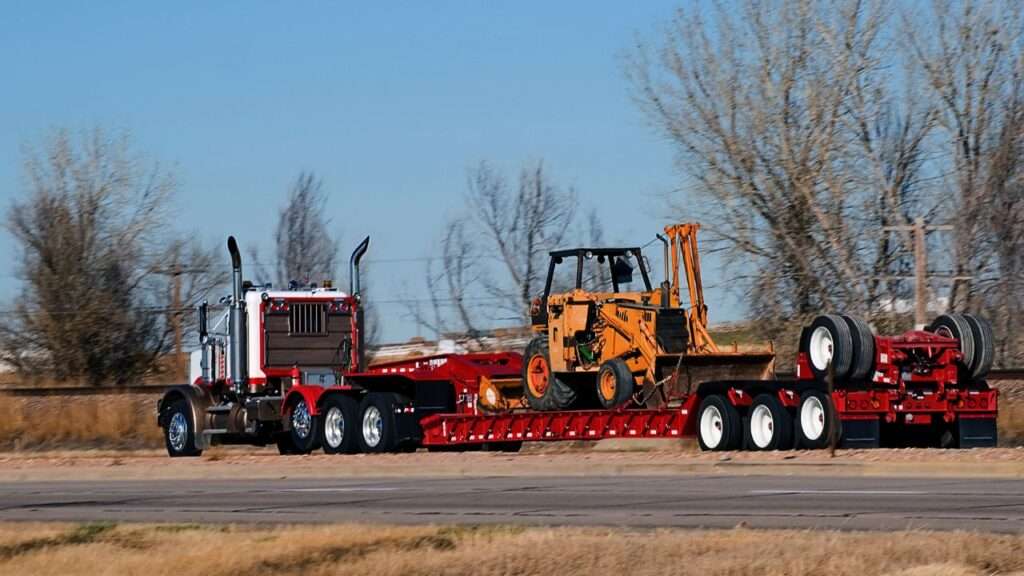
[(920, 232)]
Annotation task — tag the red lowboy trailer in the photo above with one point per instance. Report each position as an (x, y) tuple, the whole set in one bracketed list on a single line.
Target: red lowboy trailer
[(288, 368)]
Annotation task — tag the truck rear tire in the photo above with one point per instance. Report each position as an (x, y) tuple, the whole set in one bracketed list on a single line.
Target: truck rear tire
[(339, 417), (544, 391), (303, 427), (815, 420), (828, 341), (768, 425), (376, 421), (719, 426), (180, 430), (614, 383)]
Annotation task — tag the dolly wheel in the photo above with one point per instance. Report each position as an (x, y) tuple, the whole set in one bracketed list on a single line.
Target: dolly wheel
[(815, 419), (718, 425), (768, 424)]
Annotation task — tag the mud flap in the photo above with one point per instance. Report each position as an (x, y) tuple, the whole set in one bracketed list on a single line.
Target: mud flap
[(976, 433), (860, 433)]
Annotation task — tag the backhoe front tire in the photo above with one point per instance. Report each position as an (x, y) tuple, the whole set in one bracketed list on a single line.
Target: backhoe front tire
[(615, 383), (543, 389)]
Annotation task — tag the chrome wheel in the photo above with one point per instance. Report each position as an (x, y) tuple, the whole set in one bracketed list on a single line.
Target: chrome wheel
[(373, 426), (334, 427), (302, 422), (711, 427), (762, 426), (177, 431)]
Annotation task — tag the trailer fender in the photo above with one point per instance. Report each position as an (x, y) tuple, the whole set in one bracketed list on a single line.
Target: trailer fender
[(198, 398), (311, 394)]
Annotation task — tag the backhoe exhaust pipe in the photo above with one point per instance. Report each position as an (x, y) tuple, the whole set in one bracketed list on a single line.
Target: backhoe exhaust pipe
[(666, 284), (239, 340)]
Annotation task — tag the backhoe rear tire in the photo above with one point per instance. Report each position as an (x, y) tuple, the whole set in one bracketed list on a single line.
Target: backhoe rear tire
[(543, 389)]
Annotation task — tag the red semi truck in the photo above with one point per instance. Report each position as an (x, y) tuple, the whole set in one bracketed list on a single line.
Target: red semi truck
[(288, 368)]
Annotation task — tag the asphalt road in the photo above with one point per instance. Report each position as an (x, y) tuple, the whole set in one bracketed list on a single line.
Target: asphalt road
[(636, 501)]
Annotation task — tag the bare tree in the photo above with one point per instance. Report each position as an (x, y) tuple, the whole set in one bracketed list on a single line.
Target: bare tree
[(494, 257), (452, 285), (775, 109), (94, 247), (972, 60), (306, 250), (521, 225)]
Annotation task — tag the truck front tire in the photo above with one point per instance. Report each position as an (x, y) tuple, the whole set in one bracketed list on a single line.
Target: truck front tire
[(303, 428), (180, 430)]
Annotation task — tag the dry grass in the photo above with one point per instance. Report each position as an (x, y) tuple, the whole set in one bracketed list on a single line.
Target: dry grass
[(79, 422), (1011, 423), (180, 550)]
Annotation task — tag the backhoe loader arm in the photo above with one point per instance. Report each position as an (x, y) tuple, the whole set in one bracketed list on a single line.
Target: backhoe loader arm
[(683, 241)]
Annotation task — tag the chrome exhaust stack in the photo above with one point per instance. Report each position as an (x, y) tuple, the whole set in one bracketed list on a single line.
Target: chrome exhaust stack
[(353, 266), (236, 320), (359, 317)]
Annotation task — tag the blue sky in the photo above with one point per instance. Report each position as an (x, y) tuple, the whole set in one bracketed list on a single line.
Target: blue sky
[(388, 103)]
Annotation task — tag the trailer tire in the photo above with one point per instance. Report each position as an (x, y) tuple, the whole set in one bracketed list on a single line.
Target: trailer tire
[(956, 326), (180, 430), (544, 391), (827, 340), (376, 430), (863, 351), (768, 425), (815, 420), (984, 346), (719, 426), (615, 383), (303, 427), (338, 424)]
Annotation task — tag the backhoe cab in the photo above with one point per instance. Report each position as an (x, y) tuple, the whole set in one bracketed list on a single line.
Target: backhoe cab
[(627, 341)]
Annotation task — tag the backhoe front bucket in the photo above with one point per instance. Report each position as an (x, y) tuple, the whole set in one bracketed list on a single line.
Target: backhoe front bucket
[(682, 373)]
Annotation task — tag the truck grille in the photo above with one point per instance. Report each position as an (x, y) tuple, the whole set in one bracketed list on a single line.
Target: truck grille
[(307, 319)]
